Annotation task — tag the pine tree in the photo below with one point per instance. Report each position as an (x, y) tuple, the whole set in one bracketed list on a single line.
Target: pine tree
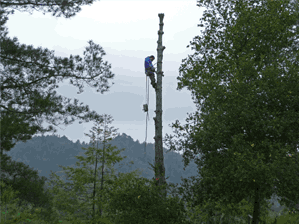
[(92, 183), (24, 101)]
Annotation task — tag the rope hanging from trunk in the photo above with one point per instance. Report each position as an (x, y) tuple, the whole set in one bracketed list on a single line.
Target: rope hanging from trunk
[(147, 102), (145, 106)]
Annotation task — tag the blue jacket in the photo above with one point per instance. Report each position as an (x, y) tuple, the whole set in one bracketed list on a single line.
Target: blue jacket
[(148, 63)]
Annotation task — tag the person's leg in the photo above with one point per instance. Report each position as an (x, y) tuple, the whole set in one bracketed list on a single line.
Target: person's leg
[(152, 77)]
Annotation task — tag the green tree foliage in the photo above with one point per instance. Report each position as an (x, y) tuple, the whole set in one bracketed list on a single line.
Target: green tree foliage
[(245, 85), (68, 8), (26, 182), (139, 201), (29, 75), (14, 211), (14, 125), (90, 184), (201, 209), (33, 102)]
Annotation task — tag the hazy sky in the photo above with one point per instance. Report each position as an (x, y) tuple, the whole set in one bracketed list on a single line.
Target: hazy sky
[(127, 31)]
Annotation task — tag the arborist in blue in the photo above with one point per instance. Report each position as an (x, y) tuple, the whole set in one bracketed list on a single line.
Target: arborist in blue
[(150, 69)]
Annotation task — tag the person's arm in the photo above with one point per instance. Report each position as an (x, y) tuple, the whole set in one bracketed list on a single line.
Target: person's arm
[(151, 65)]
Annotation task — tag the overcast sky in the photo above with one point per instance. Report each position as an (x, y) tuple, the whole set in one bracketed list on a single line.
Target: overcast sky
[(127, 31)]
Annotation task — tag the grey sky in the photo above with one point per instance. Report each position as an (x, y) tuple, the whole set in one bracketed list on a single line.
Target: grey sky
[(127, 31)]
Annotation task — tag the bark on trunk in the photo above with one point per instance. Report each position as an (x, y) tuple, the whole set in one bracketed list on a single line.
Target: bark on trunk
[(159, 158)]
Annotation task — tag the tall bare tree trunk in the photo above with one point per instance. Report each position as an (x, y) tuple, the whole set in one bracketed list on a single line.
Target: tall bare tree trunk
[(159, 158)]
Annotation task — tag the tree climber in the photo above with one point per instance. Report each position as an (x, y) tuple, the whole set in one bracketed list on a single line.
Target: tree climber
[(150, 69)]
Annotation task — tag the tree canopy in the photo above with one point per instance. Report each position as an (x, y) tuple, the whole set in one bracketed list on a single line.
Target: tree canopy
[(29, 76), (243, 79), (28, 79), (92, 185), (25, 180), (68, 8)]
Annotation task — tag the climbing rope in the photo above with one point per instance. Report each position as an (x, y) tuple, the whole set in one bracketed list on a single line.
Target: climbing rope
[(145, 107), (147, 103)]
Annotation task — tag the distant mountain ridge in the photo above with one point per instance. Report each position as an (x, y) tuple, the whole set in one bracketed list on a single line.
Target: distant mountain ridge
[(45, 153)]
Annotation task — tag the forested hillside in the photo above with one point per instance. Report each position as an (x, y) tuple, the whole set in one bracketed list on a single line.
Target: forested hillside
[(45, 153)]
